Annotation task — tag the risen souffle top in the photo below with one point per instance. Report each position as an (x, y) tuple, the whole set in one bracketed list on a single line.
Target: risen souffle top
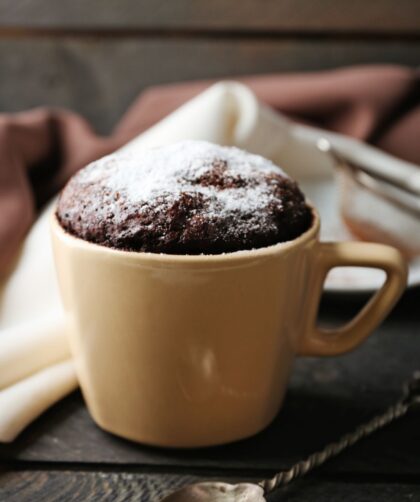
[(191, 197)]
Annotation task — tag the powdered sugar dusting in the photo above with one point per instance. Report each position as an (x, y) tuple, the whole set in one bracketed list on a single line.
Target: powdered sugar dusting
[(159, 176)]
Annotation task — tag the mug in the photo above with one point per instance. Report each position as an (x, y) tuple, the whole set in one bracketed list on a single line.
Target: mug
[(188, 351)]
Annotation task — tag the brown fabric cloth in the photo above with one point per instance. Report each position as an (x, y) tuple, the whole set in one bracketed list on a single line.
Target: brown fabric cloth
[(40, 149)]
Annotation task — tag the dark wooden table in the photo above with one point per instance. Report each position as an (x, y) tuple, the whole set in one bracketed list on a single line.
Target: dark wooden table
[(64, 457), (94, 57)]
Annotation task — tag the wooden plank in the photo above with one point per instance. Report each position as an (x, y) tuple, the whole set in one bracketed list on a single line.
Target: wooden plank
[(67, 486), (100, 77), (327, 398), (271, 15)]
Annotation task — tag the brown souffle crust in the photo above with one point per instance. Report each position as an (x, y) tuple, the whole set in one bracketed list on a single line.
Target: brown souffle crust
[(187, 198)]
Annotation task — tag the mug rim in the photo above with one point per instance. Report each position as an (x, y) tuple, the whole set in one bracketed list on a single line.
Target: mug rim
[(267, 251)]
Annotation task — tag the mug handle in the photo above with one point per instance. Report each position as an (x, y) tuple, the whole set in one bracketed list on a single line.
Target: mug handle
[(328, 342)]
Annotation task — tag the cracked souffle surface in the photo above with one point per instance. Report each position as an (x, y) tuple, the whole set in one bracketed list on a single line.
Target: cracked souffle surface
[(191, 197)]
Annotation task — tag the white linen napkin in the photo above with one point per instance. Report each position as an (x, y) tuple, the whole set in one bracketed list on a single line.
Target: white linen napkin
[(35, 363)]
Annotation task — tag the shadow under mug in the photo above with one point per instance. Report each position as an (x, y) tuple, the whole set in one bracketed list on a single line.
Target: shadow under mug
[(188, 351)]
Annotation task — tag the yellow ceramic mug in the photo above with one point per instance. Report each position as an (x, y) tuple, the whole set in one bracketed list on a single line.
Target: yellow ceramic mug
[(188, 351)]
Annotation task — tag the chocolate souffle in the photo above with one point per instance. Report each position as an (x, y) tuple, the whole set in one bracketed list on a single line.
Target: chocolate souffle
[(191, 197)]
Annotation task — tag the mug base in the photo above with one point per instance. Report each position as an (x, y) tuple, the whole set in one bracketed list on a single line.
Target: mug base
[(176, 443)]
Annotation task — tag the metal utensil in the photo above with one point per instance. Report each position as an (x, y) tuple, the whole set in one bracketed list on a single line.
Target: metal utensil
[(402, 192), (250, 492), (218, 492)]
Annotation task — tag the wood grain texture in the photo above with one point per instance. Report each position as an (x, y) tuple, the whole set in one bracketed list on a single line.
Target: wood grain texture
[(68, 486), (72, 486), (100, 77), (268, 15), (327, 398)]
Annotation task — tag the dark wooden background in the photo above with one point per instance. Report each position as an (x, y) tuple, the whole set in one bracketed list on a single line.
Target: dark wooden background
[(95, 57)]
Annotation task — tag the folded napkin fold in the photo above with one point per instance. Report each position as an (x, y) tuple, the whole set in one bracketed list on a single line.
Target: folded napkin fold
[(24, 401), (35, 365)]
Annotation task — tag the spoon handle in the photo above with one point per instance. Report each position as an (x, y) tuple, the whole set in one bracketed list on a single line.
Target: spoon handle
[(410, 397), (408, 180)]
